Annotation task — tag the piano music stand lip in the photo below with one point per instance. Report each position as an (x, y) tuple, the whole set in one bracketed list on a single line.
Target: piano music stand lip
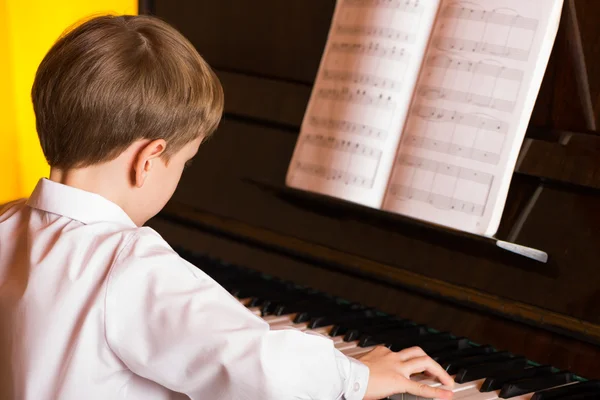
[(327, 201)]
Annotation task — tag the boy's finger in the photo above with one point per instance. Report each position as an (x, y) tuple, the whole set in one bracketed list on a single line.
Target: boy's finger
[(422, 364), (426, 391), (411, 352)]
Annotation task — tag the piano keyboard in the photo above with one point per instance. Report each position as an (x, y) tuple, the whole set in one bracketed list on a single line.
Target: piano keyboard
[(480, 371)]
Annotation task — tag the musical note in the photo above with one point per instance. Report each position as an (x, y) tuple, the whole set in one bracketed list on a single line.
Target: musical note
[(446, 169), (480, 68), (332, 174), (362, 79), (447, 116), (437, 200), (491, 17), (347, 127), (453, 149), (475, 46), (402, 5), (376, 31), (371, 49), (458, 96), (440, 170), (342, 145), (357, 96)]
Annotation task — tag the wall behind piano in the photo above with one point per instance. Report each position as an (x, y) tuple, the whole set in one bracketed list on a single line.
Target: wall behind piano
[(267, 53)]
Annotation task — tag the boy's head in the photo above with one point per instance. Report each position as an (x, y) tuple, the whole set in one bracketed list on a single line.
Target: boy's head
[(121, 104)]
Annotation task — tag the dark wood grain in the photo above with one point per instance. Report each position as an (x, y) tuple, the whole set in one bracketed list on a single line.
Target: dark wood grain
[(271, 38), (233, 189), (267, 54), (536, 344)]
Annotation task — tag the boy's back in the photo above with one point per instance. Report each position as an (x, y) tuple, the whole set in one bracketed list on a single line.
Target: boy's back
[(57, 250), (95, 306)]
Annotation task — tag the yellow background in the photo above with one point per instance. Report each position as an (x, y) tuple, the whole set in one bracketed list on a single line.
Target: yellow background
[(27, 31)]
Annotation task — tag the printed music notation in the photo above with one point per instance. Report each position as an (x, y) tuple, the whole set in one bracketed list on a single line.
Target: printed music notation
[(490, 17), (475, 46), (372, 49), (448, 116), (446, 169), (402, 5), (449, 177), (332, 174), (454, 149), (347, 127), (357, 96), (340, 160), (362, 79), (376, 31), (342, 145), (458, 96), (479, 68)]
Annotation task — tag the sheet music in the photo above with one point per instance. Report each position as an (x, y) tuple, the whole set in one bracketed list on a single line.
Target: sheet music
[(361, 97), (477, 87)]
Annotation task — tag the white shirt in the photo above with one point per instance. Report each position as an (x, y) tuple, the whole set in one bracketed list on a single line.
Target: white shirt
[(94, 307)]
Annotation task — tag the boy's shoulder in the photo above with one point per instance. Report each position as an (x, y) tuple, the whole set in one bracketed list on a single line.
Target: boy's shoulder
[(11, 207), (145, 248)]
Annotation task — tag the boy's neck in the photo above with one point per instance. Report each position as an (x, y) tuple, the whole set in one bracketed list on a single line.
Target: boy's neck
[(93, 179)]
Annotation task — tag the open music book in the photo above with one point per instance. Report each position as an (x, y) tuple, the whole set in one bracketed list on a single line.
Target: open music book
[(420, 107)]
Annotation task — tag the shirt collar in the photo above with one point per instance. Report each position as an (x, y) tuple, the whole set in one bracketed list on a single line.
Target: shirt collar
[(77, 204)]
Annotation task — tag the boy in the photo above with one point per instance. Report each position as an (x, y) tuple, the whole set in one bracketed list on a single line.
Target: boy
[(95, 306)]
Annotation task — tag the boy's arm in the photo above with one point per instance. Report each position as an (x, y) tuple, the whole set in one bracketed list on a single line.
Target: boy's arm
[(172, 324)]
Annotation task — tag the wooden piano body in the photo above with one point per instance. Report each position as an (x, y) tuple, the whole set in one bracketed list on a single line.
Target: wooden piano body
[(232, 202)]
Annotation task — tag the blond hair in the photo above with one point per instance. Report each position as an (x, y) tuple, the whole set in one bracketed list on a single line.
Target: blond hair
[(113, 80)]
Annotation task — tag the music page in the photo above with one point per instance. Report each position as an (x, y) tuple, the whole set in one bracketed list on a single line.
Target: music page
[(477, 88), (352, 125)]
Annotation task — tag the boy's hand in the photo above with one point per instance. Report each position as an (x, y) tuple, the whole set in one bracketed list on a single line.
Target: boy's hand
[(390, 373)]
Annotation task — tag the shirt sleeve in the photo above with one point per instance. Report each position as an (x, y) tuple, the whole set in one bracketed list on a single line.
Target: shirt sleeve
[(171, 323)]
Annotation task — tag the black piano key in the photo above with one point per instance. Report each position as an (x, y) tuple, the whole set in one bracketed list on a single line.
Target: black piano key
[(346, 326), (344, 317), (368, 340), (443, 345), (316, 318), (582, 396), (523, 386), (373, 326), (568, 391), (483, 370), (453, 366), (497, 381), (444, 356), (312, 304), (431, 343)]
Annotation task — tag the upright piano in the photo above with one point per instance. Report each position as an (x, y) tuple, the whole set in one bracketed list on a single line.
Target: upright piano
[(482, 311)]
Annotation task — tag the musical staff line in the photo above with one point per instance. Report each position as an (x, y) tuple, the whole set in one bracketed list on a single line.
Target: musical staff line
[(437, 200), (376, 31), (475, 46), (445, 201), (458, 96), (480, 68), (343, 145), (448, 116), (347, 127), (402, 5), (453, 149), (357, 96), (371, 49), (332, 174), (492, 17), (446, 169), (362, 79)]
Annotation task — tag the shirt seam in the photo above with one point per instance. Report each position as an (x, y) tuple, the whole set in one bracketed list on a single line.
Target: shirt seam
[(110, 275)]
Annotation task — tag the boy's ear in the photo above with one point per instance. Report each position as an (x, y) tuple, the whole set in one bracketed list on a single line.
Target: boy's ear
[(146, 158)]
